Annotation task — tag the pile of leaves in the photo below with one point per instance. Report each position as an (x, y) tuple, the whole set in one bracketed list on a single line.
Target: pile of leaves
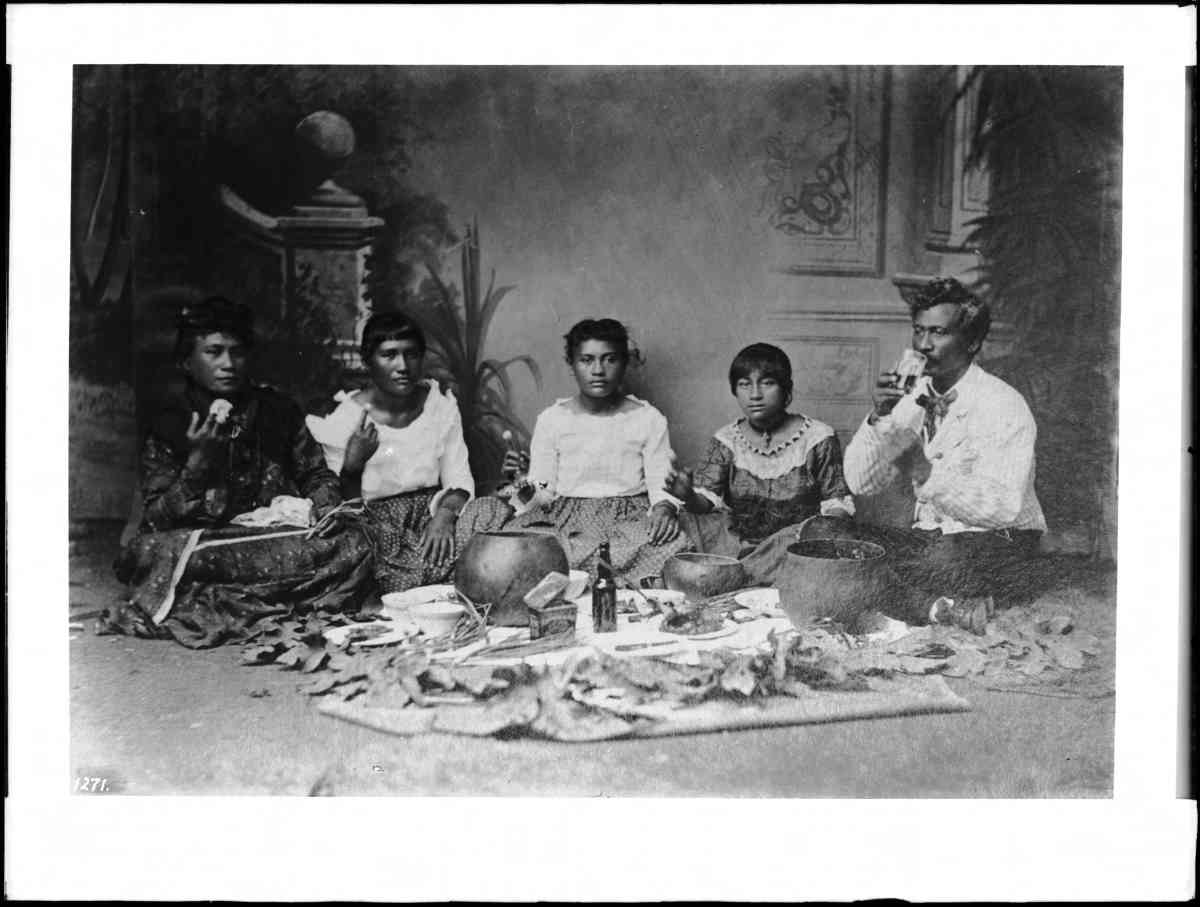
[(593, 696), (1029, 649), (297, 643)]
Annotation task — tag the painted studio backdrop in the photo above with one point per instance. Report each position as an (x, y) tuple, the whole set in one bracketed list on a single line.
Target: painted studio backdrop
[(707, 207)]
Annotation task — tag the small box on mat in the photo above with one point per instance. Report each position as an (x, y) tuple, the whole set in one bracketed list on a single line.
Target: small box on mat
[(550, 588), (552, 619)]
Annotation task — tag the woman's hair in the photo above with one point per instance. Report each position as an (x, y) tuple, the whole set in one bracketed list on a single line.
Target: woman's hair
[(607, 330), (213, 315), (769, 361), (384, 326), (974, 315)]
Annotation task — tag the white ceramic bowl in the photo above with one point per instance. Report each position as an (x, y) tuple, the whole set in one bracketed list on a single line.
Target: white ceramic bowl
[(758, 599), (436, 618), (578, 583), (403, 601)]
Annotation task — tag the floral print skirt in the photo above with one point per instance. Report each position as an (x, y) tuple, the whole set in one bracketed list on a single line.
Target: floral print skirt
[(582, 524), (400, 521), (206, 587)]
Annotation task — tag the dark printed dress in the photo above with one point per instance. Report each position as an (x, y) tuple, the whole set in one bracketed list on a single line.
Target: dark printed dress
[(760, 491), (196, 577)]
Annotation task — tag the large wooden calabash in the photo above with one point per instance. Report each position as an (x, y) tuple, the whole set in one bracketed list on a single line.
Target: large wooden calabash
[(501, 567)]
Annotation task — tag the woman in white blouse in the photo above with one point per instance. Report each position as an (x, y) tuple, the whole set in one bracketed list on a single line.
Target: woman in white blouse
[(598, 461), (398, 444)]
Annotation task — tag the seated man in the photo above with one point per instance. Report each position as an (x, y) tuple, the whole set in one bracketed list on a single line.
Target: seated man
[(966, 439)]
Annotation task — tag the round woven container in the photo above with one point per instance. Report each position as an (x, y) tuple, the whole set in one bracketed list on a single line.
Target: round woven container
[(834, 578)]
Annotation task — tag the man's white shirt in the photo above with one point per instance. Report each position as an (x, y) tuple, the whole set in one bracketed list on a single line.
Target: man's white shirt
[(981, 457)]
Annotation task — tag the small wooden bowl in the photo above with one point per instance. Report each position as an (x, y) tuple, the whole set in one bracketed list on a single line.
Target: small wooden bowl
[(703, 575)]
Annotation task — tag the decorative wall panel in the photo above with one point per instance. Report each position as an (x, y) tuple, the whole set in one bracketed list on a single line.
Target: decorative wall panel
[(834, 369), (824, 171)]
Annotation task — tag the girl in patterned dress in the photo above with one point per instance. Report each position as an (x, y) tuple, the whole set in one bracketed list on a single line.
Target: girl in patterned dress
[(398, 444), (763, 474), (597, 464)]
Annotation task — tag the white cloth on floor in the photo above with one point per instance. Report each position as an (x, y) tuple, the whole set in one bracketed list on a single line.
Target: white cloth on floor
[(284, 510)]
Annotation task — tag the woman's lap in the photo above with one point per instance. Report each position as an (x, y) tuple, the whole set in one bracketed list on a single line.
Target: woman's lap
[(402, 519), (582, 524), (212, 593)]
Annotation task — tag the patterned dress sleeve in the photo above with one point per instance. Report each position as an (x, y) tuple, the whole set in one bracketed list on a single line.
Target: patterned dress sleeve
[(314, 478), (172, 493), (711, 477), (825, 467)]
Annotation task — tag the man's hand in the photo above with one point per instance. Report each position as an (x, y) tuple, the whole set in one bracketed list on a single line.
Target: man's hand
[(361, 446), (886, 395), (662, 523), (437, 541)]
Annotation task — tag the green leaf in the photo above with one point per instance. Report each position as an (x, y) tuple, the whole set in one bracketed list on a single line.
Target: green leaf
[(490, 370), (313, 660), (412, 687), (293, 657), (491, 303), (1064, 653), (322, 684), (438, 677), (528, 361), (259, 655)]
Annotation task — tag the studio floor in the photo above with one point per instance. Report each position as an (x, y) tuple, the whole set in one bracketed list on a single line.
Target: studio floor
[(157, 718)]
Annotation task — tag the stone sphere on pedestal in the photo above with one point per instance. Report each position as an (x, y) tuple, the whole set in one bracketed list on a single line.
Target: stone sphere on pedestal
[(324, 140), (326, 135)]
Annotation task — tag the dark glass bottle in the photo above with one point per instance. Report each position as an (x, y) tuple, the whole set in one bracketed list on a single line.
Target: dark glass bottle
[(604, 594)]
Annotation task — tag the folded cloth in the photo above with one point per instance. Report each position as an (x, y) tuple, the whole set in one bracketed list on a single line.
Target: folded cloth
[(284, 510)]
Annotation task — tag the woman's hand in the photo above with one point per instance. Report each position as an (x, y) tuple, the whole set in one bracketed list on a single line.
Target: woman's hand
[(679, 483), (663, 523), (205, 439), (516, 463), (437, 541), (361, 446)]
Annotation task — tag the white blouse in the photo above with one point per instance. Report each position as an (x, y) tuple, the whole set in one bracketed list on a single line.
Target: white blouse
[(427, 453), (578, 454)]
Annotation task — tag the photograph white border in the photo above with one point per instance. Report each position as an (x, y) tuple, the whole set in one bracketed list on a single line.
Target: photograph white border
[(1139, 845)]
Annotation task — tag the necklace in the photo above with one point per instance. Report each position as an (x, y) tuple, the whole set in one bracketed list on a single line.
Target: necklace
[(767, 434)]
